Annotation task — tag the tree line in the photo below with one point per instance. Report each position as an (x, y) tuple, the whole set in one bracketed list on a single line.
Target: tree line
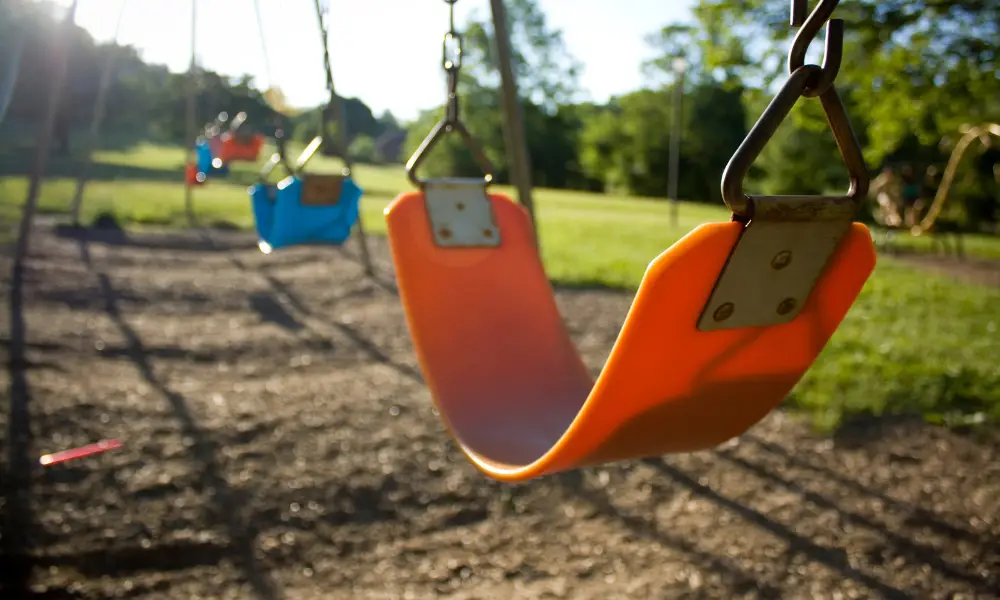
[(145, 99), (913, 72)]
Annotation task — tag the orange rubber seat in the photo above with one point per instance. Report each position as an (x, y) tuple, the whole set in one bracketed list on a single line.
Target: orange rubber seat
[(191, 175), (512, 389), (233, 149)]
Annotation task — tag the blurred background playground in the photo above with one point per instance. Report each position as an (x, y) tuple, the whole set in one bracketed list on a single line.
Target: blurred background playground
[(278, 439)]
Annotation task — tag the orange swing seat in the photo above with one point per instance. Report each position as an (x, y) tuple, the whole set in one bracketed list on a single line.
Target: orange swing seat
[(724, 324), (512, 389), (232, 148)]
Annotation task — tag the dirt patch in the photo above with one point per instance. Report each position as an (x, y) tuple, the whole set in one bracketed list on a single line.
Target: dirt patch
[(980, 271), (279, 443)]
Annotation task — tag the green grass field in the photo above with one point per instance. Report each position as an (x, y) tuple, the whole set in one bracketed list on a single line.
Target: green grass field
[(915, 342)]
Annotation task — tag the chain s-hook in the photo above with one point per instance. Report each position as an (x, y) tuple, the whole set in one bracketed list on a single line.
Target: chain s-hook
[(809, 27)]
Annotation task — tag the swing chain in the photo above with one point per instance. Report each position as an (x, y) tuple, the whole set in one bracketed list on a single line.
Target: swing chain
[(323, 13), (451, 61)]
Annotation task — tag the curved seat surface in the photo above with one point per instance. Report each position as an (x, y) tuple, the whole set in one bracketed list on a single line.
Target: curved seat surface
[(285, 221), (262, 199), (204, 156), (512, 389), (232, 149)]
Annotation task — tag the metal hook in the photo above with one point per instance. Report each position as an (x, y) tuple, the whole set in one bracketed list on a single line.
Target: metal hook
[(307, 153), (833, 52), (439, 131), (310, 151), (269, 166), (279, 157), (742, 205)]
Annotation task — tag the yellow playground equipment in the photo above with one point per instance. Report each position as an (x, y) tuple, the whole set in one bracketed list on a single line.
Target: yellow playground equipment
[(970, 133)]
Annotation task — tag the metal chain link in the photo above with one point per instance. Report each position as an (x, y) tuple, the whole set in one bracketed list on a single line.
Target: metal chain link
[(323, 15), (451, 62)]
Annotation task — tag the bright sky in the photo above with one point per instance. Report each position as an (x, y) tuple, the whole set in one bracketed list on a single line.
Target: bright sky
[(385, 52)]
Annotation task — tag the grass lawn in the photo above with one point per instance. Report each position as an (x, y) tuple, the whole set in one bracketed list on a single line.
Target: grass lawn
[(914, 341)]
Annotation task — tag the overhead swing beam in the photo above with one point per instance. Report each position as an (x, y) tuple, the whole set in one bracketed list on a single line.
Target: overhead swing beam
[(340, 139), (61, 62), (96, 119), (724, 324)]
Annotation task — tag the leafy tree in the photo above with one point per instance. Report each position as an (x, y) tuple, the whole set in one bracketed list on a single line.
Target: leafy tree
[(547, 74), (626, 145), (144, 99), (920, 66), (912, 73), (362, 150)]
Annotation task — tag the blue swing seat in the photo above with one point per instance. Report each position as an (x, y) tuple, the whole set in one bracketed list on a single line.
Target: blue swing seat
[(206, 161), (282, 220), (262, 199)]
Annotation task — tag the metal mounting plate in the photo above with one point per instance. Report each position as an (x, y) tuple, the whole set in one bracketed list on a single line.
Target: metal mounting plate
[(772, 269), (321, 189), (460, 213)]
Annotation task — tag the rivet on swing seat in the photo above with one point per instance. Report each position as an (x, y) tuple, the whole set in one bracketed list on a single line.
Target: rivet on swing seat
[(311, 209), (515, 394)]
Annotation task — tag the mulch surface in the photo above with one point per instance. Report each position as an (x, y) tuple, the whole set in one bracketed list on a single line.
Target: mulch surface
[(279, 444)]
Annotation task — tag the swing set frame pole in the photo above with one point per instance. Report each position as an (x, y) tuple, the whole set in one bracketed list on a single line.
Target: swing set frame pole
[(191, 126), (14, 73), (96, 119), (62, 43), (340, 139), (323, 117), (515, 139)]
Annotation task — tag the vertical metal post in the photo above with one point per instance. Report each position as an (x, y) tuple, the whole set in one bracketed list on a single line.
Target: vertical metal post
[(340, 139), (191, 127), (95, 120), (62, 42), (514, 136), (675, 141), (14, 70), (324, 118)]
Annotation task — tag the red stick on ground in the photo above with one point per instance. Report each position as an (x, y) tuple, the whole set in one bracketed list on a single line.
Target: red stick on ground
[(81, 452)]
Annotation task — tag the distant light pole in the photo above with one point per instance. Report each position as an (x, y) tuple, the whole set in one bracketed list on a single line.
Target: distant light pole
[(679, 66)]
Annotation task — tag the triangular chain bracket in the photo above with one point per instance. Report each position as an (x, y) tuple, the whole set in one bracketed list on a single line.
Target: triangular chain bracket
[(443, 127), (788, 240)]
